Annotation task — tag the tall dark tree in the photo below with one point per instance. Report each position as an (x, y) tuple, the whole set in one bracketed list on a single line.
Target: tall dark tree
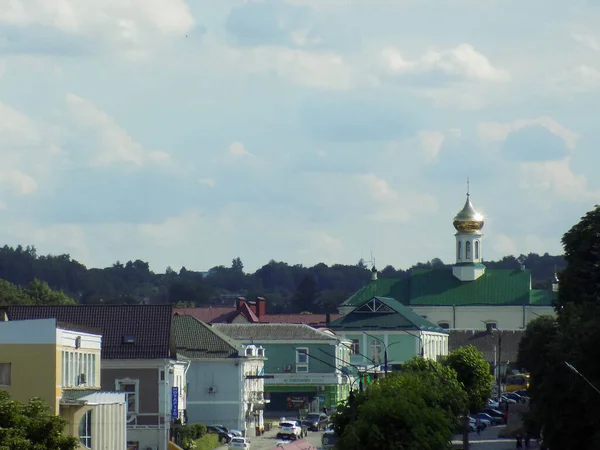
[(306, 294)]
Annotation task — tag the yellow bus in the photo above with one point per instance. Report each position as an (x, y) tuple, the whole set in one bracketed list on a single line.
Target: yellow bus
[(517, 382)]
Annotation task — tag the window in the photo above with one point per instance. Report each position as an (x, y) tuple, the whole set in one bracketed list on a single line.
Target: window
[(444, 325), (249, 351), (459, 250), (85, 430), (355, 346), (261, 352), (467, 249), (476, 249), (489, 326), (375, 351), (5, 369), (301, 360), (131, 389)]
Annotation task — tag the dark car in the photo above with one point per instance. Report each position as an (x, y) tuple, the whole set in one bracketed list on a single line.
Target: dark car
[(224, 436), (316, 421), (493, 413)]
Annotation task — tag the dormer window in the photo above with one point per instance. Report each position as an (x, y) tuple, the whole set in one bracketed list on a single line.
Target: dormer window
[(491, 326), (128, 339), (260, 352), (444, 325), (249, 351)]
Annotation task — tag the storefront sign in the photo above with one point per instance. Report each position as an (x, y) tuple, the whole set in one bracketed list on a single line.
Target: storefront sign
[(174, 403), (301, 379)]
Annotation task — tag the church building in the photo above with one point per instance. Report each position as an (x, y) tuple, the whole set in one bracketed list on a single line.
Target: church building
[(466, 296)]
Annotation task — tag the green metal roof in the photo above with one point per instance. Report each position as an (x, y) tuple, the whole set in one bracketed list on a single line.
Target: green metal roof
[(439, 287), (195, 339), (76, 394), (384, 313), (541, 297)]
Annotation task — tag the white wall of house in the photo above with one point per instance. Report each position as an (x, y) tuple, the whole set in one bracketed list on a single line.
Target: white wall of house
[(109, 420), (476, 317), (219, 393)]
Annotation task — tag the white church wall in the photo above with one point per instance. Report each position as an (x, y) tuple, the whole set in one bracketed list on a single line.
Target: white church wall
[(476, 317)]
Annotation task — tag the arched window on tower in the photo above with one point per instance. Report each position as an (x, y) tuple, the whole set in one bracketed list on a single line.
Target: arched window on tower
[(476, 249), (467, 249), (459, 250)]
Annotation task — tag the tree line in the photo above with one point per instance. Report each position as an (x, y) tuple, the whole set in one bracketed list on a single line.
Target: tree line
[(286, 287), (560, 353)]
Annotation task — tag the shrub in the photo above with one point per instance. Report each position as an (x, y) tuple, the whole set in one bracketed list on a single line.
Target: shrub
[(198, 430)]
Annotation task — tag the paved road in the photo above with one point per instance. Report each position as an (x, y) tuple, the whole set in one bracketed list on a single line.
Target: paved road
[(268, 441), (489, 440)]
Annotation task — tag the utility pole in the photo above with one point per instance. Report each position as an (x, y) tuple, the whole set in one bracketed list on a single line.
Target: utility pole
[(499, 381)]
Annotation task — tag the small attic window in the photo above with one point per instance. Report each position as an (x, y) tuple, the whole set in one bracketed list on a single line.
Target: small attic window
[(261, 352), (78, 342), (249, 351), (490, 326), (128, 339)]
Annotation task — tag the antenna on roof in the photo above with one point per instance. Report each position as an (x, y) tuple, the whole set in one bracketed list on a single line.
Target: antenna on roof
[(468, 187)]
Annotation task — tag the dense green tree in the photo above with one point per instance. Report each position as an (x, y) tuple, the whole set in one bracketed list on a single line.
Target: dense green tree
[(133, 281), (306, 294), (40, 294), (418, 408), (473, 373), (31, 426)]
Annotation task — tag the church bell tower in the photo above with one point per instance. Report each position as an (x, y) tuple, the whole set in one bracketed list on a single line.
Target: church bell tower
[(468, 224)]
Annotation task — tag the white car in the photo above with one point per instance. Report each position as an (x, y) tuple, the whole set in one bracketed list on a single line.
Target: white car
[(289, 430), (239, 442)]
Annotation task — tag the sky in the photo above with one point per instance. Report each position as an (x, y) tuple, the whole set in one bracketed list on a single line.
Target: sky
[(190, 133)]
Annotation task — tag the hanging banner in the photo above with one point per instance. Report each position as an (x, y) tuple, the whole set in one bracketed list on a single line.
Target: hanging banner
[(174, 403)]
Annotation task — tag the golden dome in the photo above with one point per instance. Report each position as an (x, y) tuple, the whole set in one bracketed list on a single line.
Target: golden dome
[(468, 220)]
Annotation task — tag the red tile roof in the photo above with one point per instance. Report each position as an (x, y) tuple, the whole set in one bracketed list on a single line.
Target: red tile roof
[(221, 314)]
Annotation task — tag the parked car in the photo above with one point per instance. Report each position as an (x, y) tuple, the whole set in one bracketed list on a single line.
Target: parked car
[(493, 413), (328, 440), (493, 420), (317, 421), (224, 436), (240, 442), (289, 429)]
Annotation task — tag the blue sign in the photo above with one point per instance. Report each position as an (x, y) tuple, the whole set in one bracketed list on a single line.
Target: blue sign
[(174, 403)]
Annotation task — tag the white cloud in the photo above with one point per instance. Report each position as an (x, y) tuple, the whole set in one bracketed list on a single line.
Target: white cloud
[(112, 144), (393, 206), (125, 20), (237, 149), (556, 178), (21, 182), (207, 182), (499, 132), (431, 144), (504, 245), (588, 41), (463, 61), (322, 246), (579, 79)]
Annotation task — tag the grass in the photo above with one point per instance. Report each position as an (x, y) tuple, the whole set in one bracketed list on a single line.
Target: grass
[(208, 442)]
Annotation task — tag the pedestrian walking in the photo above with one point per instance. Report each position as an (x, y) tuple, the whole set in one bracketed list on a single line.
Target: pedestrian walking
[(478, 426), (527, 441), (519, 441)]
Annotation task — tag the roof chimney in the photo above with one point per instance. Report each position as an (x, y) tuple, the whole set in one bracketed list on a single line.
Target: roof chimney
[(261, 305), (240, 302)]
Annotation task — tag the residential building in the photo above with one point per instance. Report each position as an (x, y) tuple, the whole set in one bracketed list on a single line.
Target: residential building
[(383, 327), (307, 368), (138, 358), (60, 363), (225, 383)]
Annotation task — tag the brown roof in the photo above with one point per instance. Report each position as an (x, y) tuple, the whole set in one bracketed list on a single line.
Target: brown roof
[(314, 320), (486, 343), (207, 314), (146, 327), (244, 310)]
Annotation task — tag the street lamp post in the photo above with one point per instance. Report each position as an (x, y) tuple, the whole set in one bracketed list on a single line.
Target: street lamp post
[(385, 352)]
